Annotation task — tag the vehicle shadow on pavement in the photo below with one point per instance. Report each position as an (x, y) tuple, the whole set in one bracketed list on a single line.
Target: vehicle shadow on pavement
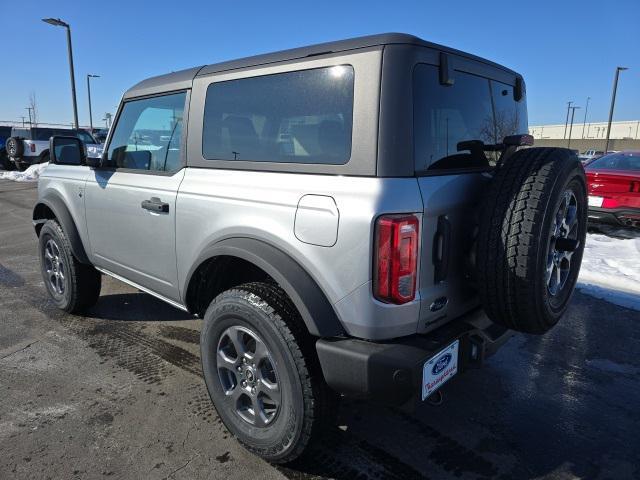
[(136, 307)]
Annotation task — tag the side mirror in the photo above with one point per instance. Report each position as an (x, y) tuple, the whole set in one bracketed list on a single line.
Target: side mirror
[(93, 162), (66, 151)]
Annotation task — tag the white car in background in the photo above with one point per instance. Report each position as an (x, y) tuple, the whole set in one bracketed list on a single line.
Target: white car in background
[(28, 146), (589, 155)]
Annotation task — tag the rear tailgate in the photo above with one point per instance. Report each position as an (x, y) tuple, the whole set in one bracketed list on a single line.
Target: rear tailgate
[(446, 263), (33, 148)]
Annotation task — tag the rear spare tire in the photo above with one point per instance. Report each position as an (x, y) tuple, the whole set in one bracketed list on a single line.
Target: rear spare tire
[(531, 238), (14, 147)]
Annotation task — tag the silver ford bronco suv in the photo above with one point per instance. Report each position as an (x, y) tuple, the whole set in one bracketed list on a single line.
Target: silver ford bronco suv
[(354, 218)]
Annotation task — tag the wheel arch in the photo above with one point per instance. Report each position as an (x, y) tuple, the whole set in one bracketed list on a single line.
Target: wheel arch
[(307, 296), (52, 207)]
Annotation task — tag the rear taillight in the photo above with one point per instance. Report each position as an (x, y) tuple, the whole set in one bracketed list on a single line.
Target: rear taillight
[(32, 147), (395, 258), (610, 203)]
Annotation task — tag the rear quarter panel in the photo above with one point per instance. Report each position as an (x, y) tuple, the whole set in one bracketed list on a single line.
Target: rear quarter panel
[(214, 205)]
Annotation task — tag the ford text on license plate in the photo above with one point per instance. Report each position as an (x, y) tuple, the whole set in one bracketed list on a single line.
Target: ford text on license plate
[(439, 369)]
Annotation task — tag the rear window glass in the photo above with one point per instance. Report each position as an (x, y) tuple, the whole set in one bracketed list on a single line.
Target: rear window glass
[(294, 117), (617, 161), (473, 108)]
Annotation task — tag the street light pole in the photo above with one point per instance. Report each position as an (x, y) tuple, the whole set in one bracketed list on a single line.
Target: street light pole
[(586, 109), (573, 112), (89, 93), (566, 122), (613, 103), (59, 23)]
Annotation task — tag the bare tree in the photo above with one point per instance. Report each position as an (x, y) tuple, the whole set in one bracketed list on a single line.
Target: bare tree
[(33, 105)]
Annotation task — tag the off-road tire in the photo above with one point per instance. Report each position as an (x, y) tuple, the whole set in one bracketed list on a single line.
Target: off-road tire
[(14, 147), (516, 234), (308, 406), (82, 282)]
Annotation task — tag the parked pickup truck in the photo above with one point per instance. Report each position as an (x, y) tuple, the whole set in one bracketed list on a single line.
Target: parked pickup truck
[(360, 218), (27, 146)]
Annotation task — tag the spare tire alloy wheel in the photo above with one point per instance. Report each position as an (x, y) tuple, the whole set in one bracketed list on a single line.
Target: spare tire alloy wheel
[(563, 243), (248, 376), (14, 147)]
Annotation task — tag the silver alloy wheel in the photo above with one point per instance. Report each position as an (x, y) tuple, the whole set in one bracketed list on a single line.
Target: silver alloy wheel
[(12, 147), (563, 243), (54, 266), (248, 376)]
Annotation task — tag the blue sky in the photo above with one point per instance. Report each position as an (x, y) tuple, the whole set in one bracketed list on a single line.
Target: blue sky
[(566, 50)]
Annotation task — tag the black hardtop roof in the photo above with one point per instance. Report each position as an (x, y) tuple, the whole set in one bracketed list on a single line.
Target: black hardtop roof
[(183, 78)]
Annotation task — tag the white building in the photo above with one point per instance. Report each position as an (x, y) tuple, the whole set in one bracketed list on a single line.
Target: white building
[(623, 130)]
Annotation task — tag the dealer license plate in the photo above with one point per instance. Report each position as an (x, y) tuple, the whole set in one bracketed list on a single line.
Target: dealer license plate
[(439, 369), (595, 201)]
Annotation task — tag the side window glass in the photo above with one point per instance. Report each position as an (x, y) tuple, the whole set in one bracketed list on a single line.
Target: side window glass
[(85, 137), (445, 116), (148, 134), (295, 117)]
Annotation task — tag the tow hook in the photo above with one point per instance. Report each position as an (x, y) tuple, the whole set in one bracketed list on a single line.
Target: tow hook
[(436, 398)]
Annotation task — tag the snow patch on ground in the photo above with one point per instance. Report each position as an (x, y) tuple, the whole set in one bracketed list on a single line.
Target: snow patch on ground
[(611, 269), (31, 174)]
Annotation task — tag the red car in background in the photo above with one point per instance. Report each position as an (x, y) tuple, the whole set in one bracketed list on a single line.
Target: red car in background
[(614, 189)]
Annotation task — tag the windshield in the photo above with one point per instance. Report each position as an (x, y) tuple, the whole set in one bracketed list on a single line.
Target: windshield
[(617, 161)]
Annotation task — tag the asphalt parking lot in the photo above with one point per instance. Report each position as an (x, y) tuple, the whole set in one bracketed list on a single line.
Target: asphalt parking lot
[(119, 394)]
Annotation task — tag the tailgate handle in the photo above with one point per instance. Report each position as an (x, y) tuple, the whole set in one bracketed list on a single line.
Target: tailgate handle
[(441, 244)]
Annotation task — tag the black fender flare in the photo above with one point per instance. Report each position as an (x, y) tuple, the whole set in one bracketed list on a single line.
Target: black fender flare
[(314, 307), (62, 214)]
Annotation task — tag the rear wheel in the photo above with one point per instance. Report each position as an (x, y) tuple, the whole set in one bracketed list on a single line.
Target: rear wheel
[(73, 286), (261, 372), (531, 238)]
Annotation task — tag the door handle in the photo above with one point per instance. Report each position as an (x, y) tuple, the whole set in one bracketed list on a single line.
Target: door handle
[(154, 204)]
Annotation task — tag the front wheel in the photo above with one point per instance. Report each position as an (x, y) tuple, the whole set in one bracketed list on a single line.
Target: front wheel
[(73, 286), (261, 372)]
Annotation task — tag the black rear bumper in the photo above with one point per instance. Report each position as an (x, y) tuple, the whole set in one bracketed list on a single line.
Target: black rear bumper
[(391, 371), (622, 217)]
